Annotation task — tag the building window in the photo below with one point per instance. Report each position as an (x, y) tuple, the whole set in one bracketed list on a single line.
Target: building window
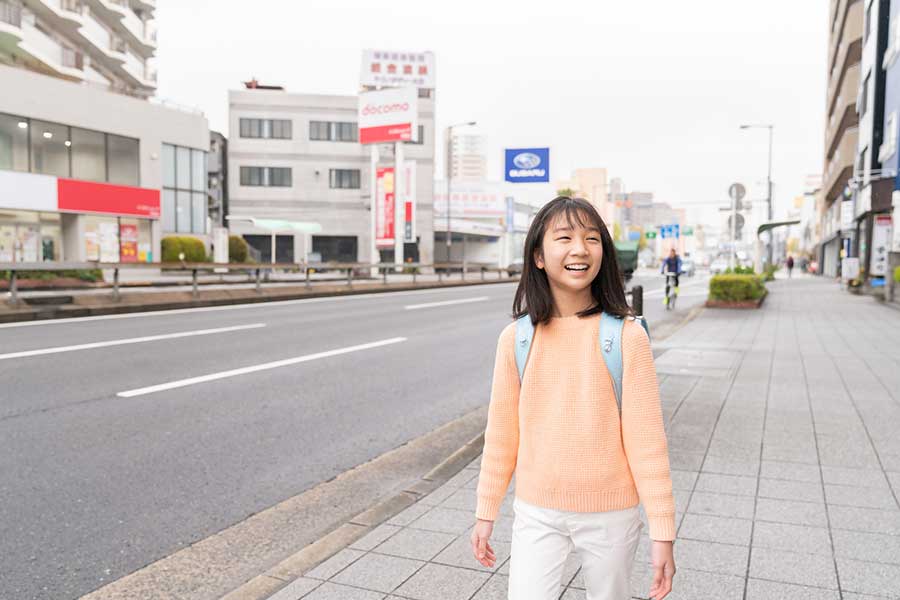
[(889, 146), (864, 97), (279, 129), (266, 176), (184, 190), (334, 131), (13, 143), (88, 154), (123, 160), (344, 179), (49, 148), (420, 139)]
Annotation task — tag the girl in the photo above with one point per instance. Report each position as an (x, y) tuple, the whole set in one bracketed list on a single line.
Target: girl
[(581, 469)]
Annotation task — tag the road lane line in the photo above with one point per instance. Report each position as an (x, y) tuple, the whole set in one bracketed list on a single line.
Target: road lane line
[(244, 306), (445, 303), (122, 342), (255, 368)]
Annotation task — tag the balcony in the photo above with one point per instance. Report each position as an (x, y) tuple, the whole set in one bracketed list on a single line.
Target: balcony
[(110, 49), (138, 74), (10, 25), (49, 55)]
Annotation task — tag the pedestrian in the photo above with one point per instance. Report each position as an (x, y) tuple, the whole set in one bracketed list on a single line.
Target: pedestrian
[(790, 265), (581, 467)]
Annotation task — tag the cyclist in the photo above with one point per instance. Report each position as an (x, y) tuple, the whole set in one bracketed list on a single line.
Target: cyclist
[(671, 266)]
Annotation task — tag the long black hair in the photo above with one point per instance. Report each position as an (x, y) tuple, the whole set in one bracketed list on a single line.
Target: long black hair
[(533, 296)]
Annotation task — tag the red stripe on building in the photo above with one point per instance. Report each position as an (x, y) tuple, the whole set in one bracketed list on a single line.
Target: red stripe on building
[(87, 196), (401, 132)]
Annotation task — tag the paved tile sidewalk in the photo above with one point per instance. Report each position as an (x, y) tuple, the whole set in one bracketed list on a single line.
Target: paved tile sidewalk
[(784, 435)]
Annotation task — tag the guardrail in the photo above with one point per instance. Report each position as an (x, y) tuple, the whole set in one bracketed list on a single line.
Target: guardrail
[(257, 269)]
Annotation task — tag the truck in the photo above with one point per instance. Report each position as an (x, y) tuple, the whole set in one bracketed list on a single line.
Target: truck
[(627, 257)]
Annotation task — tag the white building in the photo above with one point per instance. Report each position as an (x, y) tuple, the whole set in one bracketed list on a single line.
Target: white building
[(86, 174), (103, 43), (296, 157)]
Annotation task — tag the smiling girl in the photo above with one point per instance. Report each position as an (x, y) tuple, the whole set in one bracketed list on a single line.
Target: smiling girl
[(581, 468)]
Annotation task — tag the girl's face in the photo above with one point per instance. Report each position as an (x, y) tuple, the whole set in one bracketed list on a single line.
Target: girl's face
[(571, 254)]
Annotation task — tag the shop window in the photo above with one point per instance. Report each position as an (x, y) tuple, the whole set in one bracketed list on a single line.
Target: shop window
[(124, 160), (88, 154), (183, 168), (49, 148), (13, 143)]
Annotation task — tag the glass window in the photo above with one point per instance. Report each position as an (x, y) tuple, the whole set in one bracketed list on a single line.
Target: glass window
[(198, 212), (251, 176), (88, 154), (198, 170), (183, 211), (346, 132), (245, 128), (13, 143), (123, 159), (344, 178), (168, 156), (182, 168), (168, 210), (318, 130), (281, 129), (280, 176), (49, 152)]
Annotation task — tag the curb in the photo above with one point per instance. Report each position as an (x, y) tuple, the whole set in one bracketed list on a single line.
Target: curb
[(17, 315), (281, 575)]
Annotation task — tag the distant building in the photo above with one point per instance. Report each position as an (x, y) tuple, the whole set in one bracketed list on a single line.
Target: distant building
[(467, 156)]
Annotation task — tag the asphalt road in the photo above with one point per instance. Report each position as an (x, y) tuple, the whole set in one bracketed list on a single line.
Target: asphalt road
[(124, 439)]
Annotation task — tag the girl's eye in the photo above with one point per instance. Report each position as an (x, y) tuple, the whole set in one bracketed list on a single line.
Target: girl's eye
[(565, 237)]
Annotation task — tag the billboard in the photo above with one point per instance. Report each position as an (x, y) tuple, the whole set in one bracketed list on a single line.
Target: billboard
[(388, 116), (384, 205), (527, 165), (388, 68)]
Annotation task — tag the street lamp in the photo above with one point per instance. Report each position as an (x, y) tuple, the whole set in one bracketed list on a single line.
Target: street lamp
[(771, 128), (450, 177)]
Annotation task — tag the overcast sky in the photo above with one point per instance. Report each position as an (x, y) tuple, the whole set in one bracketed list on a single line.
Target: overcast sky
[(652, 90)]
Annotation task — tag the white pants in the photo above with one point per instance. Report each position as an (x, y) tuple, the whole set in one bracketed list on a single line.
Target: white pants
[(542, 539)]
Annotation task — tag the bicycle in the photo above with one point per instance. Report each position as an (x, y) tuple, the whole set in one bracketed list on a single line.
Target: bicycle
[(671, 290)]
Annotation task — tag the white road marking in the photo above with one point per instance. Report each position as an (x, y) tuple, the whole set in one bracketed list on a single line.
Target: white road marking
[(255, 368), (661, 291), (176, 311), (445, 303), (122, 342)]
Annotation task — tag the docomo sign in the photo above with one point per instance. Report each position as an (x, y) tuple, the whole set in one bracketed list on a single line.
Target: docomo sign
[(388, 116)]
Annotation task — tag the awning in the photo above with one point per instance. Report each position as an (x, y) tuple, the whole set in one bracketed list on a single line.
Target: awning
[(279, 224)]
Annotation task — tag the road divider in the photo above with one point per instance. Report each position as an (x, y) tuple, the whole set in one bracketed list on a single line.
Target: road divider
[(122, 342), (255, 368)]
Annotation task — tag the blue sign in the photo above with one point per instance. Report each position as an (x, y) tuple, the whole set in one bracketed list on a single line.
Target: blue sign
[(670, 231), (663, 231), (633, 236), (527, 165)]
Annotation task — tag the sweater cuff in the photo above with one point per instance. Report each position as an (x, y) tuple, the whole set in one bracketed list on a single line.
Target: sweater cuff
[(662, 528), (488, 508)]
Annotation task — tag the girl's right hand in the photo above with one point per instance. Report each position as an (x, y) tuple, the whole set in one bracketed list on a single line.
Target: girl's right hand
[(480, 546)]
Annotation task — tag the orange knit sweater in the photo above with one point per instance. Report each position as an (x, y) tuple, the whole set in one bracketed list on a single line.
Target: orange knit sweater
[(561, 432)]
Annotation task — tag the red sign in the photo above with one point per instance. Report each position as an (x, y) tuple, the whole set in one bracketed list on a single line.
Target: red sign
[(128, 243), (103, 198), (384, 215), (386, 133)]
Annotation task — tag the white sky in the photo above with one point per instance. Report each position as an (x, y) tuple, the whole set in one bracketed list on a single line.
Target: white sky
[(653, 90)]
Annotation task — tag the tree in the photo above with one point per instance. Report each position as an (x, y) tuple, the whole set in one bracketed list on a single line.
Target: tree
[(566, 192), (617, 232)]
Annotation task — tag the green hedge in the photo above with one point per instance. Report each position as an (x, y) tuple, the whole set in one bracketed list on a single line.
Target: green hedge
[(237, 249), (173, 245), (736, 288), (82, 274), (739, 270)]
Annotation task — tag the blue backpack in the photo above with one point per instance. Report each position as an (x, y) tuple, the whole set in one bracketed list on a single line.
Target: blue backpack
[(610, 347)]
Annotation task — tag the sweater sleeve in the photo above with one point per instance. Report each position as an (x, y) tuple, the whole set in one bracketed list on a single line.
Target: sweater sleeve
[(501, 437), (643, 433)]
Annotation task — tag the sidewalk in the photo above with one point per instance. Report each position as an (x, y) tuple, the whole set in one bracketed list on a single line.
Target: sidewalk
[(783, 432)]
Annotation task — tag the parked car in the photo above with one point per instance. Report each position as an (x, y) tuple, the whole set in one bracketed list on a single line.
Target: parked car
[(515, 268), (687, 267)]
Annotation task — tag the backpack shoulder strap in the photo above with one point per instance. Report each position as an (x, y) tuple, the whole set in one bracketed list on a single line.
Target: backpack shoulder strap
[(524, 335), (611, 349)]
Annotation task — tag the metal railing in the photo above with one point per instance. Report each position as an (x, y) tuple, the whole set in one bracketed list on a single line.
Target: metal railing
[(254, 270)]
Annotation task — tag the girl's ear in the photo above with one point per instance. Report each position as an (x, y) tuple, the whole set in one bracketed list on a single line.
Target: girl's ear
[(538, 259)]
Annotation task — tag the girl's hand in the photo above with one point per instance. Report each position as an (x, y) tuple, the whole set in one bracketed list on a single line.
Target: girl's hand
[(663, 569), (480, 546)]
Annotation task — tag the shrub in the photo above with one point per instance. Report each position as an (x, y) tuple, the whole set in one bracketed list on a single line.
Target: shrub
[(237, 249), (739, 270), (82, 274), (173, 245), (736, 288)]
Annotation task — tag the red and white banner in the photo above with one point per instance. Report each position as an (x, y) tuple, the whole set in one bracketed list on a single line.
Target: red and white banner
[(390, 68), (384, 207), (29, 191), (388, 116)]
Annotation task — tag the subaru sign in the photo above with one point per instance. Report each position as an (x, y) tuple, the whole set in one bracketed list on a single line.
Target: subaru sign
[(527, 165)]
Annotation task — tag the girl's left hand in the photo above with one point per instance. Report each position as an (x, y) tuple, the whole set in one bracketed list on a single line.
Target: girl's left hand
[(663, 569)]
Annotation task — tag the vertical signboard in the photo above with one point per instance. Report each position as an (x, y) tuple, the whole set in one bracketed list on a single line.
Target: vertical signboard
[(384, 218), (881, 241), (409, 201)]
